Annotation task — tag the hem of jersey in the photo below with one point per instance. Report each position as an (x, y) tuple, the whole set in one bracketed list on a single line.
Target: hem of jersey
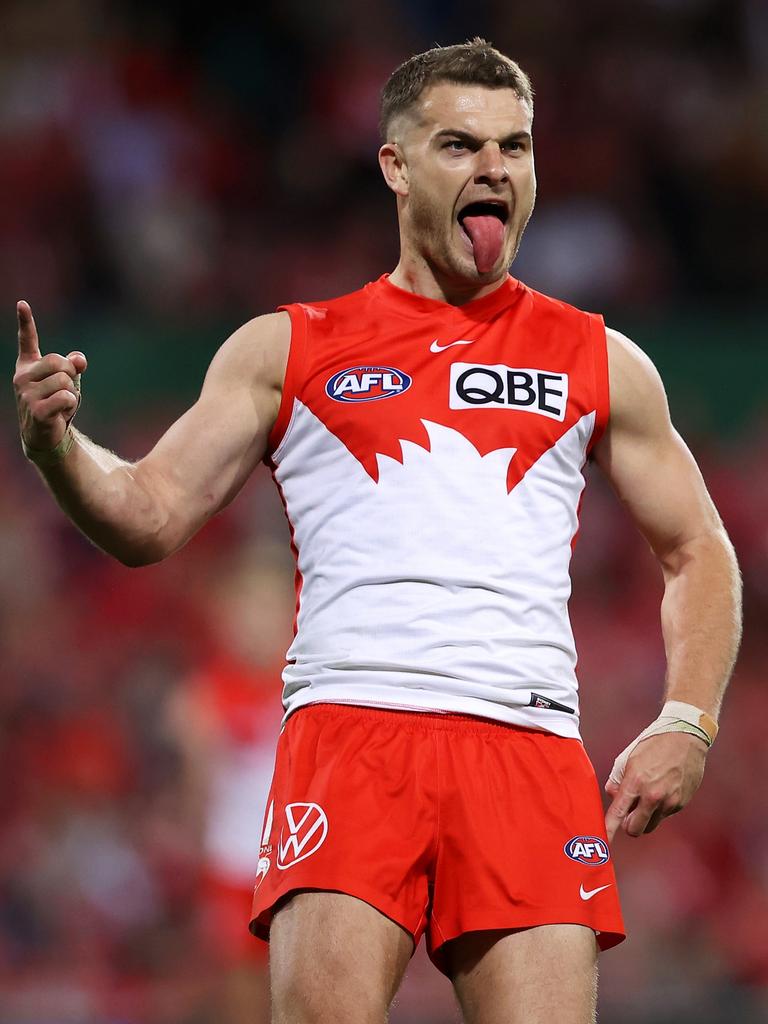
[(600, 377), (559, 723), (296, 353), (261, 920)]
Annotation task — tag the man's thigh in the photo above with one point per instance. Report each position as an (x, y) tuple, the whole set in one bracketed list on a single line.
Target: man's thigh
[(532, 976), (334, 959)]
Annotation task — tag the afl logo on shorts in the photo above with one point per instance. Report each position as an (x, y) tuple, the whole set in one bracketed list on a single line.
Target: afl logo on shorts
[(367, 384), (587, 850), (302, 834)]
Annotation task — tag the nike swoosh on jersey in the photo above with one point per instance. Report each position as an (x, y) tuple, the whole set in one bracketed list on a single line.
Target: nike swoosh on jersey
[(434, 347), (587, 894)]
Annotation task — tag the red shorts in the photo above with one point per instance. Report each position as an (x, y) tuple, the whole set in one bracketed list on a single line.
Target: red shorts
[(444, 823)]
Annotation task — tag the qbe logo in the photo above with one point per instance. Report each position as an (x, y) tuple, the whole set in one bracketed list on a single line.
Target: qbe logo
[(476, 386), (367, 384), (591, 850)]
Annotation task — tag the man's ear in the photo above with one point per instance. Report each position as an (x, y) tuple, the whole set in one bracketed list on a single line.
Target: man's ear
[(394, 168)]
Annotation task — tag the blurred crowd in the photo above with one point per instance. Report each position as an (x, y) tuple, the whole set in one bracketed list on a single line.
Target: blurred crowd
[(175, 159), (179, 163)]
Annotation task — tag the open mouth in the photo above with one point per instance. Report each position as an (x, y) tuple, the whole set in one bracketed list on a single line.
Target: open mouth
[(484, 209), (482, 225)]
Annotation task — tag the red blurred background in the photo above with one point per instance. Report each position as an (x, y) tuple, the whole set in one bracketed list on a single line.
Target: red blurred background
[(166, 174)]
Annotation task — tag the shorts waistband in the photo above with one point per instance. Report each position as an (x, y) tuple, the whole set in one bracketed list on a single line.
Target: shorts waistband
[(418, 721)]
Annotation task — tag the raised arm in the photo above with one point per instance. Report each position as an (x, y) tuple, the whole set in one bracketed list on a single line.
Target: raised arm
[(657, 479), (141, 512)]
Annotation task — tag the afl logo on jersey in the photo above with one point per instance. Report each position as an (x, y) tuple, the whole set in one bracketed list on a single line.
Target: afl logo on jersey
[(367, 384), (587, 850)]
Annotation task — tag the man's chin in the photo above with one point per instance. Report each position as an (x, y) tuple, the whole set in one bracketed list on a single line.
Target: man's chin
[(458, 266), (464, 263), (470, 272)]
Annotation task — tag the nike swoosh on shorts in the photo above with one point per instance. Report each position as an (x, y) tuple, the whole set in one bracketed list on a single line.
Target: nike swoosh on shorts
[(587, 894)]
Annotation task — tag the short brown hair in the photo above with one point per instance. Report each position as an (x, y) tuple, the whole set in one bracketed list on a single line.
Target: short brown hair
[(475, 62)]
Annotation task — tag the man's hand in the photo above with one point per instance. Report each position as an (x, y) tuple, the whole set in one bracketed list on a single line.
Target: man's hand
[(46, 387), (662, 774)]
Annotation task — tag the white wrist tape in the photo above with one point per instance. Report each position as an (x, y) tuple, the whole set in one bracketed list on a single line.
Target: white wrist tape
[(676, 716), (50, 456), (45, 457)]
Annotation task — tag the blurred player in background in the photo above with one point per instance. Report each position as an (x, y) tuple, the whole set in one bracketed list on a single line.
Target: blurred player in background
[(428, 435), (225, 718)]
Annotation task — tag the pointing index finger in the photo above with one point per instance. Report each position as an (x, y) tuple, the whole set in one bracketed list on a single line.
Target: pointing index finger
[(29, 346), (624, 801)]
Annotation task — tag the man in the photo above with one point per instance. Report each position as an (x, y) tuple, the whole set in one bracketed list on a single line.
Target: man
[(428, 435)]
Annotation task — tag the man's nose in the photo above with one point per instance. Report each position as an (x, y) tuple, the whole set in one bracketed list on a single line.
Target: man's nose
[(489, 167)]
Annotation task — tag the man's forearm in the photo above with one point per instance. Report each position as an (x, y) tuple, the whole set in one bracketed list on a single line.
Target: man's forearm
[(701, 620), (104, 497)]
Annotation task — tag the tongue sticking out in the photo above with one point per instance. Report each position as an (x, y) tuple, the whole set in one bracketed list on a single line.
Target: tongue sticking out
[(486, 233)]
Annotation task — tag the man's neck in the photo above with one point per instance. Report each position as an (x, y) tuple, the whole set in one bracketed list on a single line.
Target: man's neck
[(417, 276)]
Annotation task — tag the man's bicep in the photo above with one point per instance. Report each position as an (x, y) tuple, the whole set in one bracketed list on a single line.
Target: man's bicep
[(205, 457), (663, 490), (647, 462)]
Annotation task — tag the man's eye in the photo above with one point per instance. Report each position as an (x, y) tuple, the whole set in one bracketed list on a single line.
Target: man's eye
[(455, 145), (513, 146)]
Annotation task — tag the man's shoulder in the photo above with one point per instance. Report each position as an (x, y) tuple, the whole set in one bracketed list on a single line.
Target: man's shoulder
[(337, 306), (257, 352), (554, 306), (630, 366)]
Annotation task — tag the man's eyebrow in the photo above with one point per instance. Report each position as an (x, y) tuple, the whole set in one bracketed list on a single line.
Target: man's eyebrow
[(473, 140)]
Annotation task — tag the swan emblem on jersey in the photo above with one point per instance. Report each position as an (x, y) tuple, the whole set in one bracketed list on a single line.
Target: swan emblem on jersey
[(367, 384)]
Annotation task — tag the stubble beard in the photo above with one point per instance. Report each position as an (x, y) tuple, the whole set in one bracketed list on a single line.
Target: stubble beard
[(434, 242), (433, 239), (521, 230)]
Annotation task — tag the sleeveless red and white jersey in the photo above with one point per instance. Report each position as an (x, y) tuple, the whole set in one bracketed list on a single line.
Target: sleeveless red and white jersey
[(430, 461)]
